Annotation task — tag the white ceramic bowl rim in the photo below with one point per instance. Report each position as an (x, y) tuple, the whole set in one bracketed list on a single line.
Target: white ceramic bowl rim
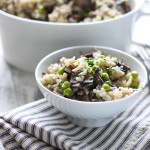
[(89, 46), (73, 24)]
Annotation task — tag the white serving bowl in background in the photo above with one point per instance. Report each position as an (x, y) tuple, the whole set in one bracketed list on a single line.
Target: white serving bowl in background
[(25, 42), (90, 114)]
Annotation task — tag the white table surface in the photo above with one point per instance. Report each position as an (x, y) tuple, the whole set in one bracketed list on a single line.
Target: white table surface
[(18, 87)]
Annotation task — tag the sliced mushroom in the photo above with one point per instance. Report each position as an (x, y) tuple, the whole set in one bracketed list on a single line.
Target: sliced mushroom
[(85, 5), (89, 79), (123, 67), (73, 77), (89, 55), (124, 6), (77, 85), (81, 97), (98, 77)]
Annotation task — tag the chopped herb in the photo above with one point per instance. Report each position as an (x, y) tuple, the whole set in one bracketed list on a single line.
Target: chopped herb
[(108, 82), (102, 57), (50, 83), (80, 69), (88, 69), (79, 75), (89, 61), (91, 78), (110, 69), (85, 14)]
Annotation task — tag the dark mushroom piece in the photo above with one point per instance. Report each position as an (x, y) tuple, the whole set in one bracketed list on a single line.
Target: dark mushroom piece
[(71, 67), (113, 87), (89, 79), (122, 66), (77, 85), (82, 96), (85, 5), (88, 55), (73, 77), (125, 7), (98, 77), (77, 17)]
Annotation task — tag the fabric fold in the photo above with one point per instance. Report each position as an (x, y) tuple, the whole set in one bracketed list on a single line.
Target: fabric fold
[(40, 126)]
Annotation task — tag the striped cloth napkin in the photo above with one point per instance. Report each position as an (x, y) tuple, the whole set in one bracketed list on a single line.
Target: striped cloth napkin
[(40, 126)]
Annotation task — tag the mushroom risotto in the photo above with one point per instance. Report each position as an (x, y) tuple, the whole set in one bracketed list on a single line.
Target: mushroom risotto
[(67, 11), (92, 77)]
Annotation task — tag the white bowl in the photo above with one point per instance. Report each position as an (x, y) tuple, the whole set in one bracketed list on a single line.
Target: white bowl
[(25, 39), (90, 114)]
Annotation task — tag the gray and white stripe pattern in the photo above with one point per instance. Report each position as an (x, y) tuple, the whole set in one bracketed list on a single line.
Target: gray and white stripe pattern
[(40, 126)]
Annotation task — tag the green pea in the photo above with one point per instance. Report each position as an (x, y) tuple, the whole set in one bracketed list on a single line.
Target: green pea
[(68, 92), (134, 84), (94, 67), (65, 85), (41, 10), (108, 82), (105, 76), (61, 71), (106, 87), (134, 74)]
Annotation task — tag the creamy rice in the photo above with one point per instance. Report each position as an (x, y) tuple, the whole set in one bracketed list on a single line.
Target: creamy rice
[(91, 77), (66, 11)]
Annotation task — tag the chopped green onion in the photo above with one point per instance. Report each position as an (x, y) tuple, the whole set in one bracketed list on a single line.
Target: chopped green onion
[(89, 61), (106, 87), (68, 92), (91, 78), (110, 69), (134, 74), (80, 69), (134, 84), (51, 83), (108, 82), (61, 71), (88, 69), (103, 57), (105, 76), (85, 14), (79, 75), (41, 10)]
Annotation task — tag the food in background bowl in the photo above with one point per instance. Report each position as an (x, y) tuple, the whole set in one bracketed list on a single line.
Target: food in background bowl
[(92, 77), (66, 10)]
